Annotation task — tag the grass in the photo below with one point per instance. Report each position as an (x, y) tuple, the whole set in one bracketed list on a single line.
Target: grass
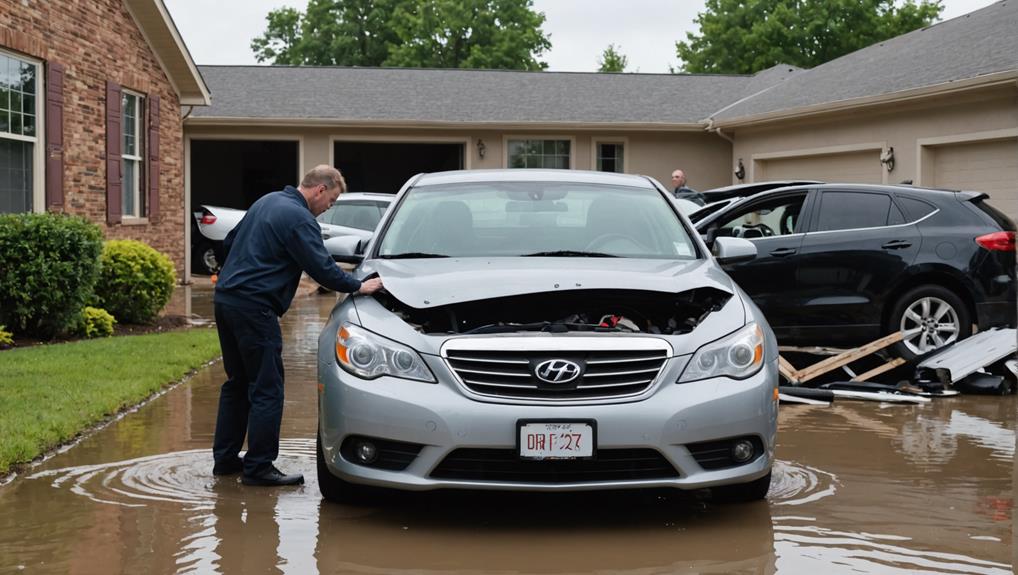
[(51, 393)]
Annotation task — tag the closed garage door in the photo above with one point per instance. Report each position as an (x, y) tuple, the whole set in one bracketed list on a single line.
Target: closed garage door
[(853, 167), (990, 167)]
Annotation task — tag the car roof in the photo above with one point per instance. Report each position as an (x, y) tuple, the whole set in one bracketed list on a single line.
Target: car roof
[(348, 196), (533, 175), (759, 186)]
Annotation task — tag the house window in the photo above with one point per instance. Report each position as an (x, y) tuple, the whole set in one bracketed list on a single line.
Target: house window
[(132, 152), (539, 154), (19, 129), (610, 158)]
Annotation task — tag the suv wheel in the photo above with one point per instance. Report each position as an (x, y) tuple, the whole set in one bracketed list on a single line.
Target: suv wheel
[(744, 492), (929, 317)]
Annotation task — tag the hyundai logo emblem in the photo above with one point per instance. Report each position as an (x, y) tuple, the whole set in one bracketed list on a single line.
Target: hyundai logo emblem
[(557, 371)]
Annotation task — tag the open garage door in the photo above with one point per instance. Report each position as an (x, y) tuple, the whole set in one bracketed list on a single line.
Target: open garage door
[(235, 173), (988, 166), (385, 167), (850, 167)]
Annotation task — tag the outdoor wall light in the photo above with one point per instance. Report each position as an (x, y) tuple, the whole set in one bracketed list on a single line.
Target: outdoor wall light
[(887, 158), (481, 148), (740, 170)]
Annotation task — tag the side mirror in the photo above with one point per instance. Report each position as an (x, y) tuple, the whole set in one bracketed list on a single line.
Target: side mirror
[(733, 250), (347, 249)]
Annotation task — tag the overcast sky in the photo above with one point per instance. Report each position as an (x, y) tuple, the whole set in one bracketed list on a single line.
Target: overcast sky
[(220, 31)]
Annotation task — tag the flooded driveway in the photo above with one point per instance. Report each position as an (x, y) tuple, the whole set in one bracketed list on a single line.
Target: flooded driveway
[(858, 488)]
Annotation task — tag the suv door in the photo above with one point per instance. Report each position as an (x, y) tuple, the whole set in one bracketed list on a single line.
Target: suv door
[(775, 223), (858, 243)]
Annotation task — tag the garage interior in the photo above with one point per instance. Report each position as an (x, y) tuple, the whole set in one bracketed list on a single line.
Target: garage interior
[(235, 173), (384, 167)]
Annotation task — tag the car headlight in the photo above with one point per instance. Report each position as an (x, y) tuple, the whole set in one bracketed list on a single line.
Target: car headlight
[(738, 356), (370, 356)]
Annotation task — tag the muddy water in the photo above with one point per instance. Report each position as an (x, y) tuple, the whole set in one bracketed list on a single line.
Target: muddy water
[(859, 488)]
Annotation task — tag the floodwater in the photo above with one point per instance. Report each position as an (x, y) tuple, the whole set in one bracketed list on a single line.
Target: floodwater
[(858, 488)]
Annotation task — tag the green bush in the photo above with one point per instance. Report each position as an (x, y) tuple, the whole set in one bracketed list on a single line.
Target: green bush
[(136, 281), (49, 264), (6, 338), (95, 322)]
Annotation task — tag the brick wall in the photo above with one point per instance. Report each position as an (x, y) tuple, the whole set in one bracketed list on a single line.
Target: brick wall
[(96, 41)]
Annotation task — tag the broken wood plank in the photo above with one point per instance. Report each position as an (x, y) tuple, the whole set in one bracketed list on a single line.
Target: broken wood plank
[(846, 358), (880, 369)]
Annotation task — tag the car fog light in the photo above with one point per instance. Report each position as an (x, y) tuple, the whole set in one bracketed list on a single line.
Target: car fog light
[(742, 451), (366, 451)]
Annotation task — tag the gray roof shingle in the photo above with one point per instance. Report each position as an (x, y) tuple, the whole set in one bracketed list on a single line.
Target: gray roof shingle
[(982, 42), (465, 96)]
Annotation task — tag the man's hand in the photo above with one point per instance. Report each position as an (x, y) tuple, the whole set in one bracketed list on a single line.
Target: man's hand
[(370, 286)]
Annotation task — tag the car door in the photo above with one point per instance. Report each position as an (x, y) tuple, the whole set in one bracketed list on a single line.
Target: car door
[(775, 223), (858, 243)]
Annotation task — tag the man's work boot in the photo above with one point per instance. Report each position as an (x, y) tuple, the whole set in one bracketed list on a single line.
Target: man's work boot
[(228, 467), (271, 476)]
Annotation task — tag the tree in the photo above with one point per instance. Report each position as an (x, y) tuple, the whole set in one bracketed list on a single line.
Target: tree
[(330, 33), (612, 61), (490, 34), (746, 36)]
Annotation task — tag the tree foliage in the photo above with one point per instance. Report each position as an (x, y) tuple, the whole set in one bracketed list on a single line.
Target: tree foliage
[(491, 34), (612, 60), (746, 36)]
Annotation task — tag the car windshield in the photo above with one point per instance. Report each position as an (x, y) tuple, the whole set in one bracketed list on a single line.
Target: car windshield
[(538, 219)]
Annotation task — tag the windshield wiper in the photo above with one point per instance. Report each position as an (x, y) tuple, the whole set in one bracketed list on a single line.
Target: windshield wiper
[(569, 254), (411, 255)]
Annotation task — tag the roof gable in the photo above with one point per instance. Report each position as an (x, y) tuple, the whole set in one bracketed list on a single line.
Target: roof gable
[(162, 35)]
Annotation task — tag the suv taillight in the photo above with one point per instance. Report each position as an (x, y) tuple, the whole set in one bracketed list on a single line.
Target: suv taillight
[(208, 219), (997, 241)]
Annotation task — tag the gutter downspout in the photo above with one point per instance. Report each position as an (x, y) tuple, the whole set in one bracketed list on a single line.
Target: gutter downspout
[(711, 128)]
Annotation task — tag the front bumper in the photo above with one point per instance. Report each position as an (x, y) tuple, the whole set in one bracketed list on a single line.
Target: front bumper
[(442, 418)]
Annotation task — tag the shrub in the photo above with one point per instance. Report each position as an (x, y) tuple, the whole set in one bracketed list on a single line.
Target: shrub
[(6, 338), (49, 263), (95, 322), (136, 281)]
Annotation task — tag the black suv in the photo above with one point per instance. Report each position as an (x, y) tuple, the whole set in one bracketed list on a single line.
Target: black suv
[(842, 264)]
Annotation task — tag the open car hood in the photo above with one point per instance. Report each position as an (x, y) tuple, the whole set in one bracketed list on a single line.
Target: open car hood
[(427, 283)]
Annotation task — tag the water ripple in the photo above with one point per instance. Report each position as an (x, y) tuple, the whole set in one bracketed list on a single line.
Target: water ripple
[(795, 484)]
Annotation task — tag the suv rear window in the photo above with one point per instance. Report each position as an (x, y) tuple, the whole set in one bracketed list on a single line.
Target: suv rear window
[(996, 215)]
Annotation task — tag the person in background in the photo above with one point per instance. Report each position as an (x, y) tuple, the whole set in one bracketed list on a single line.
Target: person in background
[(681, 191), (266, 253)]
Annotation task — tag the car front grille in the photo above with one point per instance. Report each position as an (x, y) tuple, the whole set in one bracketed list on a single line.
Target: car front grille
[(476, 464), (605, 373)]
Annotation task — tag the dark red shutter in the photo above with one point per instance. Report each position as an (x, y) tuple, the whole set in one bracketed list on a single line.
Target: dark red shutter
[(54, 136), (152, 164), (114, 206)]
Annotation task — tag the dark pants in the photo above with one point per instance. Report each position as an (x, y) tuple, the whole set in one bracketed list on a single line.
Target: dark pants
[(251, 400)]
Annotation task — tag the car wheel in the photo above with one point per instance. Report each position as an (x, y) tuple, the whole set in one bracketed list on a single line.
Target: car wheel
[(206, 259), (743, 492), (335, 489), (928, 317)]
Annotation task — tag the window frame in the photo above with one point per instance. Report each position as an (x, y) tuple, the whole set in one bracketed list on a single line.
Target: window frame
[(138, 158), (38, 141), (555, 138), (595, 153)]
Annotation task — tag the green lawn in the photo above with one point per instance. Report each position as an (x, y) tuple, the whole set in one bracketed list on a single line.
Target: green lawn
[(50, 393)]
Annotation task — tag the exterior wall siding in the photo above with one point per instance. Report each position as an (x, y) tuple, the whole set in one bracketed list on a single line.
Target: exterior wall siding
[(97, 41)]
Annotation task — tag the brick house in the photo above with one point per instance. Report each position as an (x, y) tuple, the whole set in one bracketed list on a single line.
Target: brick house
[(90, 115)]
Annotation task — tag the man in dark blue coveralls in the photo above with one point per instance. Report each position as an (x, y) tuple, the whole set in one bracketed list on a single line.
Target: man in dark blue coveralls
[(266, 252)]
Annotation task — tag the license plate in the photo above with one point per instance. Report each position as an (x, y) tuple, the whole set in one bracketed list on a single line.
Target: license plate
[(556, 440)]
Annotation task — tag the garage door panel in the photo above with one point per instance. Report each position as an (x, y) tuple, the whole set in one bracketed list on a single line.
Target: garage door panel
[(852, 167), (988, 166)]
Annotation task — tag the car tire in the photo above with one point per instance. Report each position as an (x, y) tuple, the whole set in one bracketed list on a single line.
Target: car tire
[(922, 314), (743, 492), (206, 258), (336, 490)]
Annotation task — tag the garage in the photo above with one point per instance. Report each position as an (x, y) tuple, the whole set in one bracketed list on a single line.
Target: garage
[(861, 167), (385, 166), (984, 166), (235, 173)]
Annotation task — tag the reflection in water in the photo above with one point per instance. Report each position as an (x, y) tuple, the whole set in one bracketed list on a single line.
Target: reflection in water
[(858, 488)]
